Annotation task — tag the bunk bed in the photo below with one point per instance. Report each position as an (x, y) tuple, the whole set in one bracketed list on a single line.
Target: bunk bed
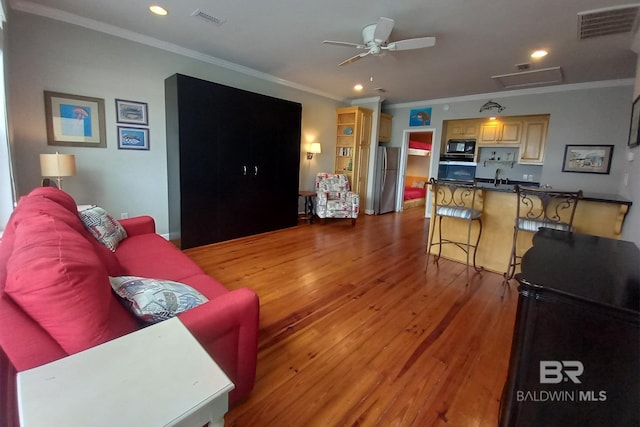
[(415, 187)]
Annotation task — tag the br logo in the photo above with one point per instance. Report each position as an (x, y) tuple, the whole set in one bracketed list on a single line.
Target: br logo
[(557, 371)]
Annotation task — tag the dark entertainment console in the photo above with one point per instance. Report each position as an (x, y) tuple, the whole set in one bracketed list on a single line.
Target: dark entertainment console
[(576, 346)]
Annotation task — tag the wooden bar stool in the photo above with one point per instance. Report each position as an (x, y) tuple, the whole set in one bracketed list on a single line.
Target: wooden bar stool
[(455, 200), (535, 208)]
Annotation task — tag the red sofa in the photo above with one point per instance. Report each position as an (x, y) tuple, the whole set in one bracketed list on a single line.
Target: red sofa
[(56, 298)]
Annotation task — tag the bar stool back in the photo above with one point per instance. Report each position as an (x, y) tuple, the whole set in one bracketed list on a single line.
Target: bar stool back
[(458, 201), (539, 207)]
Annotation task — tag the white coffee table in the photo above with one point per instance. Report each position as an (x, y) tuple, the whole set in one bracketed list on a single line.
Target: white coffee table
[(157, 376)]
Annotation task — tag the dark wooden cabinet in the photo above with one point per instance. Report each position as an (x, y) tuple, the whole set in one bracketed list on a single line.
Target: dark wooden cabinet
[(233, 160), (575, 354)]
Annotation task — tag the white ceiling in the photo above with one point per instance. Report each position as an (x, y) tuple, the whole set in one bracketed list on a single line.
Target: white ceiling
[(283, 38)]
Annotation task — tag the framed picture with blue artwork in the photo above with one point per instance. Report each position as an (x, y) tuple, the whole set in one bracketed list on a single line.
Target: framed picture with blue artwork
[(420, 117), (74, 120), (133, 138), (132, 112)]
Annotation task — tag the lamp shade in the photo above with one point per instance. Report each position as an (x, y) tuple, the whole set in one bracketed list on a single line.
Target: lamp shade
[(315, 148), (57, 165)]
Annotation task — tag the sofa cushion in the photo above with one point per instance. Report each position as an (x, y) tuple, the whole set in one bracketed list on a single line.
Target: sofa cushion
[(55, 276), (151, 255), (103, 226), (155, 300)]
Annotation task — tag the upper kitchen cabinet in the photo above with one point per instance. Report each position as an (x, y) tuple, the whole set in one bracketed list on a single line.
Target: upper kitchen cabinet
[(384, 130), (462, 129), (534, 140), (504, 131)]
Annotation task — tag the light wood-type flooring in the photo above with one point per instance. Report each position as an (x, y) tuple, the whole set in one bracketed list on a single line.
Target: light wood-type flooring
[(354, 333)]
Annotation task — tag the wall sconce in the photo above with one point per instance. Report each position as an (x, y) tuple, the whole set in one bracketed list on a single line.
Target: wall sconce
[(57, 165), (314, 148)]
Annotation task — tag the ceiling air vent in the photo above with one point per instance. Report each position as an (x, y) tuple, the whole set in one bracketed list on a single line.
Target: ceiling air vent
[(544, 76), (606, 21), (208, 17)]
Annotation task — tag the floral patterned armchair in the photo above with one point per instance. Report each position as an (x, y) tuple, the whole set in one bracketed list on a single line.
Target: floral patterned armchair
[(334, 198)]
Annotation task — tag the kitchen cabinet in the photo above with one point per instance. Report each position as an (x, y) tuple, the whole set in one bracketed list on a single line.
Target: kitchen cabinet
[(534, 140), (353, 140), (462, 129), (384, 130), (233, 160), (507, 131)]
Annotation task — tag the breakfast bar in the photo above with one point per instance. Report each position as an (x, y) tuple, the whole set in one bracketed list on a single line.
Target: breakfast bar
[(596, 214)]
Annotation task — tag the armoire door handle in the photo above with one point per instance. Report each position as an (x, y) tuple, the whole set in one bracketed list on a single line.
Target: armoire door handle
[(255, 168)]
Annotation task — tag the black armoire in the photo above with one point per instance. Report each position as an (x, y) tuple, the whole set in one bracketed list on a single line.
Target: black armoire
[(233, 160)]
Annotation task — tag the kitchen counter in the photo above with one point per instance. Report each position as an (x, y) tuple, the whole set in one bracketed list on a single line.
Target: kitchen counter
[(596, 214), (507, 186)]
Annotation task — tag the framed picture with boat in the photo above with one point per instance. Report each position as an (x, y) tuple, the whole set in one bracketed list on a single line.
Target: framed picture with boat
[(132, 112), (587, 158), (634, 126)]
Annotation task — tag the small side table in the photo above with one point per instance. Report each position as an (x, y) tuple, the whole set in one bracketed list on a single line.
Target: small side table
[(309, 211), (157, 376)]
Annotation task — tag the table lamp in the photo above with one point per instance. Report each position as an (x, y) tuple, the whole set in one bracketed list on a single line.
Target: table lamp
[(57, 165)]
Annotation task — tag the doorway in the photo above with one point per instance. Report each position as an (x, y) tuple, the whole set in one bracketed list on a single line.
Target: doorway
[(416, 169)]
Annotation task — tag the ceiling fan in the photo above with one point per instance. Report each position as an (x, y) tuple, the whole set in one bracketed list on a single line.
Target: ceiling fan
[(375, 39)]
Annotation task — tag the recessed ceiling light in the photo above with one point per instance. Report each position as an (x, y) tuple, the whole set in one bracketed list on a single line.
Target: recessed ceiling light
[(158, 10), (539, 53), (358, 87)]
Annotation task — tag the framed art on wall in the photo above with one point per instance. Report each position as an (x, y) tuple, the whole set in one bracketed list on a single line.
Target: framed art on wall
[(74, 120), (133, 138), (634, 126), (420, 117), (132, 112), (587, 158)]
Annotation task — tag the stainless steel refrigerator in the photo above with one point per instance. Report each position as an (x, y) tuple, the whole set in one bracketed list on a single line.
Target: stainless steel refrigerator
[(386, 181)]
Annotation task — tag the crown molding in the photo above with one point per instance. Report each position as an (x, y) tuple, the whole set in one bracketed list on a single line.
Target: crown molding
[(518, 92), (70, 18)]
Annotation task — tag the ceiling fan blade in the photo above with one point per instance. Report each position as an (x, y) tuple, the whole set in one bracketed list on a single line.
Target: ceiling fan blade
[(383, 30), (345, 44), (408, 44), (354, 58)]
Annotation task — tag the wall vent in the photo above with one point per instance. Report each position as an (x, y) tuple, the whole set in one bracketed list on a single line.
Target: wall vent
[(607, 21), (524, 67), (544, 76), (208, 17)]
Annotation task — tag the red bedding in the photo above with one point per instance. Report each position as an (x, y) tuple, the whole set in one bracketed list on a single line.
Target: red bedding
[(420, 145), (411, 193)]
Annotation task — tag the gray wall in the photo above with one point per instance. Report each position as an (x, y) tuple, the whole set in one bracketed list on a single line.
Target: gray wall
[(45, 54), (580, 114), (630, 187)]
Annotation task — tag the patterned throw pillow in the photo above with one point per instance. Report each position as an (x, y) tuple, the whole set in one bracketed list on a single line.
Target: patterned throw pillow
[(103, 226), (155, 300)]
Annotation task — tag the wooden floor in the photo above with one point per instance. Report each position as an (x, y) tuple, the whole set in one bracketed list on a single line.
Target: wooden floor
[(353, 333)]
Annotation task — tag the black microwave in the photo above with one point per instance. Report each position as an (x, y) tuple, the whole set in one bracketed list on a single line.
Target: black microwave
[(460, 146)]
